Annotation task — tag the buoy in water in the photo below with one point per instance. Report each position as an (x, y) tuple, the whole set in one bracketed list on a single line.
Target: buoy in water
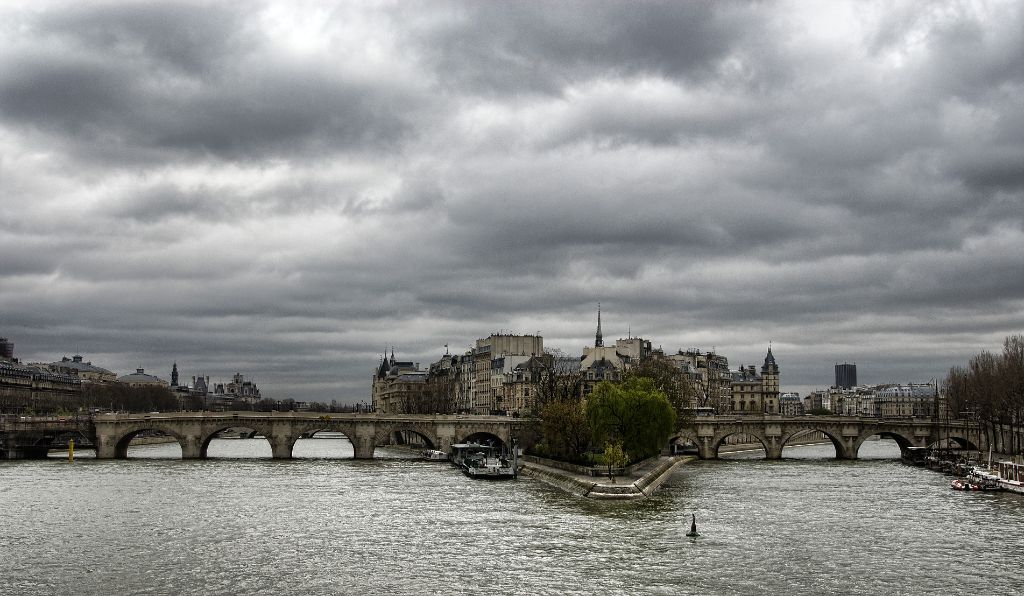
[(693, 527)]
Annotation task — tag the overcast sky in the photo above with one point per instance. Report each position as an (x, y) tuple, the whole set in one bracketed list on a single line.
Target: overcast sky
[(288, 189)]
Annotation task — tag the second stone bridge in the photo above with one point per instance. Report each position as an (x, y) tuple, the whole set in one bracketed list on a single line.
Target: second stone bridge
[(846, 433), (195, 430)]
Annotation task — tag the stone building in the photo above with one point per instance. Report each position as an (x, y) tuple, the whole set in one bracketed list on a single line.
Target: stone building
[(756, 393), (709, 373), (30, 386), (919, 400), (608, 363), (139, 378), (397, 386), (492, 358), (86, 371)]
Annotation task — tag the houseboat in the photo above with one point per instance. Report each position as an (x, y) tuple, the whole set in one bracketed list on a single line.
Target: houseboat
[(483, 461), (1011, 476)]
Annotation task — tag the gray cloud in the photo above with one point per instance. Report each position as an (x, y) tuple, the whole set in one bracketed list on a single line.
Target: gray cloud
[(285, 192)]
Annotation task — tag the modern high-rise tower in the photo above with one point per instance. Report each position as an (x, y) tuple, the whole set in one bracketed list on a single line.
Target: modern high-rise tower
[(846, 375)]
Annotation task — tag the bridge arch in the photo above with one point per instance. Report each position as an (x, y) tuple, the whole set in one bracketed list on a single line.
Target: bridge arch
[(721, 436), (901, 439), (210, 433), (681, 436), (484, 437), (961, 442), (122, 440), (842, 448), (392, 433)]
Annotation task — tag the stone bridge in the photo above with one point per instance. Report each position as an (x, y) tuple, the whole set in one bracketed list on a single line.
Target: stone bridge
[(112, 433), (846, 433)]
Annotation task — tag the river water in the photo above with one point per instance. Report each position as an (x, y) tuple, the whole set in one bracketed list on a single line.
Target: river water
[(323, 524)]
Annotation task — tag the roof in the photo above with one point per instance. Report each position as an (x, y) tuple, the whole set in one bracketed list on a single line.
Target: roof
[(76, 364), (139, 376)]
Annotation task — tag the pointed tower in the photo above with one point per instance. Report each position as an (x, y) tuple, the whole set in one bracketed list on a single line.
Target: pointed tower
[(174, 375), (770, 383), (598, 340)]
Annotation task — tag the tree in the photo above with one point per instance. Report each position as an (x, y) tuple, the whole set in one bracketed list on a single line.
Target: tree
[(554, 376), (633, 412), (991, 388), (670, 380), (565, 429)]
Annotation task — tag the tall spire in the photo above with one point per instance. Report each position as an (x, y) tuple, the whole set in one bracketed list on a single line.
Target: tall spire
[(174, 375), (598, 341)]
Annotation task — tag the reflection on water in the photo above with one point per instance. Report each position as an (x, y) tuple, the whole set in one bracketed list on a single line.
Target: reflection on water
[(244, 523)]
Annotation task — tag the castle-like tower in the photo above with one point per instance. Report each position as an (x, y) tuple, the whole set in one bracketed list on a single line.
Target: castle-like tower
[(770, 383)]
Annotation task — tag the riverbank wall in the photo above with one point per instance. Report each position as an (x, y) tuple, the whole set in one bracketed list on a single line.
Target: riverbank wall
[(641, 483)]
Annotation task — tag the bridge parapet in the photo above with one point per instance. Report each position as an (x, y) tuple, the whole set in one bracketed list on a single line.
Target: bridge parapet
[(195, 430), (846, 433)]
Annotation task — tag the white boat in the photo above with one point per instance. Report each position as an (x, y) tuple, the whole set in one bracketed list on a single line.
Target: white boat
[(983, 479), (434, 455), (483, 461), (1011, 476)]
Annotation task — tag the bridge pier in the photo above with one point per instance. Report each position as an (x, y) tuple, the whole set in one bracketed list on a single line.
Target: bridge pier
[(191, 447), (281, 446)]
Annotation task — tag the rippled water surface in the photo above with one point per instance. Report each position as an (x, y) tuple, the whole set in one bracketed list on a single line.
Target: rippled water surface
[(244, 524)]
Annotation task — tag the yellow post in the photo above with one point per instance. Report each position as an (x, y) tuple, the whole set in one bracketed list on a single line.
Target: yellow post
[(71, 450)]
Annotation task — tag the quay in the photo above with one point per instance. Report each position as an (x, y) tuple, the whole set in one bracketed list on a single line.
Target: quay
[(637, 482)]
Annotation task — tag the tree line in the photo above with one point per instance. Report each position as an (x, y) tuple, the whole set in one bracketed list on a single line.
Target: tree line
[(619, 422), (990, 390)]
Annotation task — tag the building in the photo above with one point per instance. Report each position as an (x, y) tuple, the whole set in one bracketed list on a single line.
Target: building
[(492, 357), (710, 375), (6, 349), (139, 378), (86, 371), (28, 387), (756, 393), (790, 404), (608, 363), (846, 376), (917, 400), (398, 387)]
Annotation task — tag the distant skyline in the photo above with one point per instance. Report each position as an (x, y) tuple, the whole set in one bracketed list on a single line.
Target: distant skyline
[(288, 189)]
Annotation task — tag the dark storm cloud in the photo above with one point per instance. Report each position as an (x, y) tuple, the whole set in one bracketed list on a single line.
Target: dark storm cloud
[(285, 190), (158, 82), (510, 48)]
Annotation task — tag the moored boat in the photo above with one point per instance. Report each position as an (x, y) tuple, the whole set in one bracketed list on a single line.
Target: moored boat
[(483, 461), (1011, 476), (434, 455)]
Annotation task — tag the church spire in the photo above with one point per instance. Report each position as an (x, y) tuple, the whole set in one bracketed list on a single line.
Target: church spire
[(174, 375), (598, 340)]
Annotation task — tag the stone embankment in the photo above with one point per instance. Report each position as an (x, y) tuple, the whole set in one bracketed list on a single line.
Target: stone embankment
[(639, 483)]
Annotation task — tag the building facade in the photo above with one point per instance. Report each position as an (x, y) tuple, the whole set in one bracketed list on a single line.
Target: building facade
[(754, 393), (86, 371), (28, 387), (846, 376)]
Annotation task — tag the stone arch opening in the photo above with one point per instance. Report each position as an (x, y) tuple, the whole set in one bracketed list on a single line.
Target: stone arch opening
[(410, 437), (59, 445), (739, 442), (901, 440), (149, 438), (684, 444), (809, 436), (325, 441), (954, 442), (485, 438), (813, 434), (236, 442)]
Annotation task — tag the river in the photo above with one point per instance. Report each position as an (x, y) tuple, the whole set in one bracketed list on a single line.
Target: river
[(240, 523)]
